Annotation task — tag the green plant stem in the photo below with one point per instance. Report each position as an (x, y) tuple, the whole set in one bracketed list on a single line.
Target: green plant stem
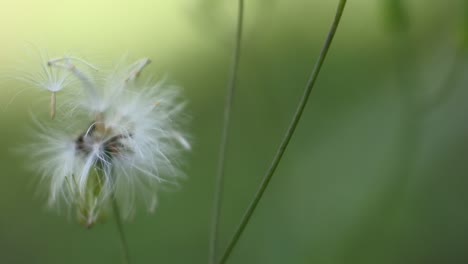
[(219, 184), (123, 239), (288, 135)]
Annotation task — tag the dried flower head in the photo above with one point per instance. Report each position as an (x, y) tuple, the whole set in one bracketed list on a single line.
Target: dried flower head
[(113, 138)]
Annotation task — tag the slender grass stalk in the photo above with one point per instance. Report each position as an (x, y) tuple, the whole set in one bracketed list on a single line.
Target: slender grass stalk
[(123, 239), (292, 127), (219, 184)]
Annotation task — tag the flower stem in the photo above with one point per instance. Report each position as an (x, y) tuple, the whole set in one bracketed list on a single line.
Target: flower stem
[(219, 184), (53, 103), (288, 135), (123, 239)]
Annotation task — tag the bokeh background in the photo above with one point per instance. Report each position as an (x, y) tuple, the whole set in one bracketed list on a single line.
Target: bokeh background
[(376, 172)]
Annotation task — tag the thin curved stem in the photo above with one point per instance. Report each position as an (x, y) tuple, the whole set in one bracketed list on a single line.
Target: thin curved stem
[(123, 239), (287, 136), (219, 184)]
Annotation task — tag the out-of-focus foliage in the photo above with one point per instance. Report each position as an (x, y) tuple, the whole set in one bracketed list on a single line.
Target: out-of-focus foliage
[(396, 15), (376, 172)]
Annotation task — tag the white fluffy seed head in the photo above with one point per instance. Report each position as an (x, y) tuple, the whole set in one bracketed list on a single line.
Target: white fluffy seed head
[(48, 78), (115, 138)]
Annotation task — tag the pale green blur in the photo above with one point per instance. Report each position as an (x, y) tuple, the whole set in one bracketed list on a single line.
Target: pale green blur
[(376, 173)]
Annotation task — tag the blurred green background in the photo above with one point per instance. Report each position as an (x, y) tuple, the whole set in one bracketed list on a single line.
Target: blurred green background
[(376, 172)]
